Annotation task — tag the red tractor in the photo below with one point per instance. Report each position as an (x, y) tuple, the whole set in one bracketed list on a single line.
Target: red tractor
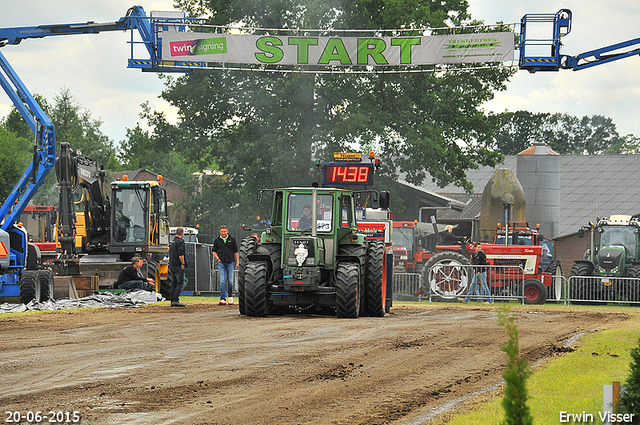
[(518, 258), (41, 222), (408, 256)]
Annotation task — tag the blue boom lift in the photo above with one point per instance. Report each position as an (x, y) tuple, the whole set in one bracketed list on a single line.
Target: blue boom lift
[(543, 53), (20, 272)]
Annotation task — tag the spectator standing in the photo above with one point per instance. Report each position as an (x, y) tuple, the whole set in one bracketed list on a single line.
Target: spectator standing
[(479, 260), (177, 263), (225, 251)]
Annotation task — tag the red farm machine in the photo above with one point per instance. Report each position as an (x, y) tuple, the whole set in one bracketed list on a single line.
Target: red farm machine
[(521, 265)]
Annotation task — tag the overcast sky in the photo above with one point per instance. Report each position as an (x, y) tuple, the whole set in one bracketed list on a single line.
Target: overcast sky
[(94, 67)]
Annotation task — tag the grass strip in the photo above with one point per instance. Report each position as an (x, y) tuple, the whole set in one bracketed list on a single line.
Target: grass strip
[(569, 383)]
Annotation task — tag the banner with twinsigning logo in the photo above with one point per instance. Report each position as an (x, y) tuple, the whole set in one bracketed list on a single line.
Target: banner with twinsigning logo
[(338, 51)]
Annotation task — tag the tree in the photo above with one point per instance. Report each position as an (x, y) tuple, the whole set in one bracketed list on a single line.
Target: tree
[(14, 121), (566, 134), (265, 129), (74, 125), (15, 154)]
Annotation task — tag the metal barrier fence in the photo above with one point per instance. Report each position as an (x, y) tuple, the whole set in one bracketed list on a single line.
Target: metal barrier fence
[(199, 271), (448, 281), (603, 290)]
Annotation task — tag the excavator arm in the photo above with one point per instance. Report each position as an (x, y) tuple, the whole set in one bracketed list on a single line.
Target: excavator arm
[(75, 170)]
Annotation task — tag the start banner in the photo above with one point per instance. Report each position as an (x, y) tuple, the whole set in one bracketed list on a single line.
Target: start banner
[(338, 51)]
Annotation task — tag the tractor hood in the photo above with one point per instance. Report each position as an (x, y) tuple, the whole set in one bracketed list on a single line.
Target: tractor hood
[(611, 259)]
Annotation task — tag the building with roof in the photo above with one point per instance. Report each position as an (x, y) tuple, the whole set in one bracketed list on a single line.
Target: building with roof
[(588, 186)]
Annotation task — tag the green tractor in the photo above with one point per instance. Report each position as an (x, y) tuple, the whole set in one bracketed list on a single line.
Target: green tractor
[(613, 255), (313, 256)]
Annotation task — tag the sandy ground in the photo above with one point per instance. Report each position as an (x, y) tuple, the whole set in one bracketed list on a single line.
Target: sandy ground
[(206, 364)]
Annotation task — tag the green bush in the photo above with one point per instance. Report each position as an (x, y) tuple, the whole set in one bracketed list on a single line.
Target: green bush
[(630, 399), (515, 375)]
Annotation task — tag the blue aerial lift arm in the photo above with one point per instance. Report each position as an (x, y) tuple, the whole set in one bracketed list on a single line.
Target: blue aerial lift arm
[(44, 146), (45, 141), (543, 54)]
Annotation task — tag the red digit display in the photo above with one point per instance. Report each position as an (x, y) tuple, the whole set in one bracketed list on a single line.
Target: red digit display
[(350, 174)]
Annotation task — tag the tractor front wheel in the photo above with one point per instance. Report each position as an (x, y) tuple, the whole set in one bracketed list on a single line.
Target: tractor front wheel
[(347, 291), (255, 289), (534, 292), (447, 275), (247, 247)]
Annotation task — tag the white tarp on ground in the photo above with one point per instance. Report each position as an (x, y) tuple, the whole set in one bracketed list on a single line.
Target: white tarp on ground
[(96, 300)]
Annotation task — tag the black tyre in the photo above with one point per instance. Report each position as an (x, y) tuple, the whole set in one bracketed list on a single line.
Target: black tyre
[(359, 252), (165, 286), (275, 254), (45, 279), (347, 290), (534, 292), (255, 289), (376, 285), (247, 248), (29, 287), (582, 288), (447, 275), (153, 271)]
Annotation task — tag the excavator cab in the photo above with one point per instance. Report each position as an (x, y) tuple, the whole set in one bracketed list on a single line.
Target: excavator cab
[(139, 218)]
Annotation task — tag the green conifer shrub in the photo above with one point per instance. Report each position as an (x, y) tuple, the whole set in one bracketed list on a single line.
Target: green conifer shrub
[(515, 375)]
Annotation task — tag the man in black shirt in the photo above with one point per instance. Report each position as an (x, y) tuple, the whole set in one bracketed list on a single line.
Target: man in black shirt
[(177, 263), (225, 251), (479, 261), (131, 277)]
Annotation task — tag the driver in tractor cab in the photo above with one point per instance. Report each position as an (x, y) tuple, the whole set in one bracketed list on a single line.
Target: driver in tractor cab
[(305, 221), (448, 238)]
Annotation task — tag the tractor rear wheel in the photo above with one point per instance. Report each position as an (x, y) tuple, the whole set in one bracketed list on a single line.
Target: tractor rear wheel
[(534, 292), (255, 289), (45, 279), (247, 248), (347, 291), (29, 287), (447, 275), (376, 285)]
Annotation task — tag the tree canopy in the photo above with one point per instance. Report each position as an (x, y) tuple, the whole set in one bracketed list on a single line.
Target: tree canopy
[(266, 129), (566, 134)]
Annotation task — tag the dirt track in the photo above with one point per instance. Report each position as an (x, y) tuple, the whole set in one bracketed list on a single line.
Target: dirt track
[(208, 365)]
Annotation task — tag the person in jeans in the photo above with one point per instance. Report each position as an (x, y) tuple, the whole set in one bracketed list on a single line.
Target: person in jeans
[(479, 260), (177, 263), (131, 277), (225, 251)]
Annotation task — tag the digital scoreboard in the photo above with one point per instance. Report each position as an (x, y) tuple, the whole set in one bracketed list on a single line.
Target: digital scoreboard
[(347, 173)]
